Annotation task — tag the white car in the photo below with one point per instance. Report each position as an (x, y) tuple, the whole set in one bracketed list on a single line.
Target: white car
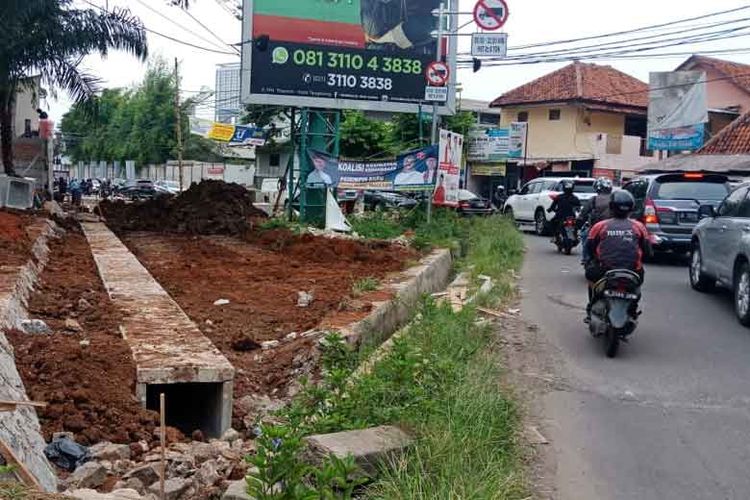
[(530, 204)]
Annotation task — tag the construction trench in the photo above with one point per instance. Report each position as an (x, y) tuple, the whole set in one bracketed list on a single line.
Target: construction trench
[(213, 321)]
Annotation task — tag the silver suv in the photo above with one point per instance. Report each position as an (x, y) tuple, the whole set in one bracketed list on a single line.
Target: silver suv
[(721, 250)]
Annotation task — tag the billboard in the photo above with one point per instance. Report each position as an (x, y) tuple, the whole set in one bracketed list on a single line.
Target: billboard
[(412, 171), (450, 150), (497, 144), (360, 54), (677, 110)]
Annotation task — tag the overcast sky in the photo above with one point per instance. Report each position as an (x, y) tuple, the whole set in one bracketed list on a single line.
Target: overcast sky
[(531, 21)]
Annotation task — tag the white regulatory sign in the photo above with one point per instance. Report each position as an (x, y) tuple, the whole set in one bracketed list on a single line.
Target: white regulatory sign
[(491, 14), (436, 94), (489, 44)]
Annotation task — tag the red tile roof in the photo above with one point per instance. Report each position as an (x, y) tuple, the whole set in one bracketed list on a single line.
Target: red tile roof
[(732, 140), (587, 83), (737, 73)]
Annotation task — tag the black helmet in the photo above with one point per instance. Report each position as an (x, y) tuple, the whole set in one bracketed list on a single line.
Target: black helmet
[(621, 204), (603, 185), (567, 187)]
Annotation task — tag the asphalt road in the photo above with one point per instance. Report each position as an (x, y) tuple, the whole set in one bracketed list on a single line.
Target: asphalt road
[(669, 418)]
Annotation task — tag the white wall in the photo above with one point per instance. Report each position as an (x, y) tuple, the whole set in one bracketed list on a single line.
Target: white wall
[(27, 102), (629, 157)]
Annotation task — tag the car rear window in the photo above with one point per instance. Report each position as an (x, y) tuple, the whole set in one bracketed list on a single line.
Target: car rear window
[(691, 190), (583, 187)]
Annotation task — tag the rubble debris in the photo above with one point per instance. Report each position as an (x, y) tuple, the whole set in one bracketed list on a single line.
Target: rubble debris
[(88, 475), (35, 327), (304, 299), (221, 302), (209, 207)]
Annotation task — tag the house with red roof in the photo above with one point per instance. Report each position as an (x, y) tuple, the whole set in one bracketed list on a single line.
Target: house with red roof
[(584, 118)]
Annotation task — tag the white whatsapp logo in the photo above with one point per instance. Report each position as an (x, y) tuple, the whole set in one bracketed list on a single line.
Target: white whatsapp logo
[(280, 55)]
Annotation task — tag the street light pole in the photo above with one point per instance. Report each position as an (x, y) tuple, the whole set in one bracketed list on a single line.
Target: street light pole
[(435, 137)]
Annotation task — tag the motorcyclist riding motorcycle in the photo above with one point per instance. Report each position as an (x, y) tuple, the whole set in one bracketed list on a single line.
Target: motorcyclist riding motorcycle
[(564, 206), (616, 243), (595, 210)]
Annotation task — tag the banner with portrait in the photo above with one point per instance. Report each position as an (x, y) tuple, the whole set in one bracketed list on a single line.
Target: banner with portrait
[(448, 179), (412, 171)]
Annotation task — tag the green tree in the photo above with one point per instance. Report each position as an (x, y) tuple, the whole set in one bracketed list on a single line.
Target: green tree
[(136, 124), (50, 38), (363, 137)]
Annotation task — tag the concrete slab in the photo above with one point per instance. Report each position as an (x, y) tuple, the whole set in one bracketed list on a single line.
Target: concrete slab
[(168, 348), (368, 447), (20, 428)]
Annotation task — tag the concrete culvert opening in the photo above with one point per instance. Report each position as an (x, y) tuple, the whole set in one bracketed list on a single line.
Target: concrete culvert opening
[(189, 406)]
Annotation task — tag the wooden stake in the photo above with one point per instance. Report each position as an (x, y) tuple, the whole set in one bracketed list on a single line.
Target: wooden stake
[(12, 405), (163, 439), (11, 459)]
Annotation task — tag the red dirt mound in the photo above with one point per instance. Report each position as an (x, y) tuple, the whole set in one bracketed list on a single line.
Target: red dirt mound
[(89, 388), (210, 207), (15, 244)]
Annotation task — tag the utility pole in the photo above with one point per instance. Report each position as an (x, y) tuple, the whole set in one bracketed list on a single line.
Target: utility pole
[(178, 119), (435, 136)]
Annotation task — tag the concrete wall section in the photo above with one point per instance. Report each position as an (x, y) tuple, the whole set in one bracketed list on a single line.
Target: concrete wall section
[(430, 276), (20, 428)]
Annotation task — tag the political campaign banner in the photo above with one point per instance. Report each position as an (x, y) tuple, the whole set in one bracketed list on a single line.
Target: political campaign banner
[(234, 135), (677, 139), (363, 54), (447, 184), (497, 144), (412, 171)]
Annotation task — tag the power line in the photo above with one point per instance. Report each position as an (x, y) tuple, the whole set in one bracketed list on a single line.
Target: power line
[(635, 30), (175, 23), (211, 32), (176, 40)]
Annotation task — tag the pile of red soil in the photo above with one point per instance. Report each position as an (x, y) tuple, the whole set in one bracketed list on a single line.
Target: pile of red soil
[(89, 388), (261, 277), (15, 245), (210, 207)]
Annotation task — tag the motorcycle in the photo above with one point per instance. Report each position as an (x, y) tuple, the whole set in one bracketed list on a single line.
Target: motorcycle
[(614, 313), (567, 237)]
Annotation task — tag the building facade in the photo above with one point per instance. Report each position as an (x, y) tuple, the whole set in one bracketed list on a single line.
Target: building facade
[(583, 119), (227, 107)]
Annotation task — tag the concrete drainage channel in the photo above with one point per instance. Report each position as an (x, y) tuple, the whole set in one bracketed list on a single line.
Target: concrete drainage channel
[(20, 429), (171, 354)]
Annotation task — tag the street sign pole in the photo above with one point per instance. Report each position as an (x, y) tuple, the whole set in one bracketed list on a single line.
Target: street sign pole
[(435, 137)]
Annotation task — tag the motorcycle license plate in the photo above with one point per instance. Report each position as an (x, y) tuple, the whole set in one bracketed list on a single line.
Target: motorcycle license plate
[(620, 295)]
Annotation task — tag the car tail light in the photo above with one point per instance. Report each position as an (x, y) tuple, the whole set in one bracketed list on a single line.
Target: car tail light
[(693, 175), (649, 213), (464, 204)]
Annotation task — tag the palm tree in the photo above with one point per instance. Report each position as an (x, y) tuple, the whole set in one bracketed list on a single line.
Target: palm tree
[(50, 38)]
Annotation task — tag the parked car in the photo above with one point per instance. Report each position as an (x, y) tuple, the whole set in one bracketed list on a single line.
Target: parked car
[(386, 200), (471, 204), (142, 189), (171, 186), (668, 204), (530, 204), (721, 250)]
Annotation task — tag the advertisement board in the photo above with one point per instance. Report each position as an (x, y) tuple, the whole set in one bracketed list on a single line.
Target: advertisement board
[(677, 110), (677, 139), (450, 150), (412, 171), (497, 144), (361, 54)]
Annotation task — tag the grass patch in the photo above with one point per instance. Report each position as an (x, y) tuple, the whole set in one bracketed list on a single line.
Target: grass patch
[(364, 285), (440, 380)]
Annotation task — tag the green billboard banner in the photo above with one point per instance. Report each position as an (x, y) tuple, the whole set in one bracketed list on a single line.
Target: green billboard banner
[(366, 54)]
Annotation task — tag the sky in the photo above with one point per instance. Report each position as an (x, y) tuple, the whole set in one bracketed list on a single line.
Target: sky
[(530, 21)]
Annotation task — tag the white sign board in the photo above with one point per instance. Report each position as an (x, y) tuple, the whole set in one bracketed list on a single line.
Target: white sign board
[(497, 144), (449, 169), (436, 94), (489, 44)]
